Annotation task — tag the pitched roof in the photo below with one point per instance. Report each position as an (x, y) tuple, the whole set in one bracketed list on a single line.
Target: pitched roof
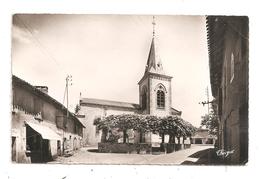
[(215, 33), (108, 103), (203, 133), (154, 64), (175, 111), (217, 28), (45, 96)]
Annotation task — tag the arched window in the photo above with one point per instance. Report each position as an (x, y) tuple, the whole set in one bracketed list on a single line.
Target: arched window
[(160, 99), (144, 98)]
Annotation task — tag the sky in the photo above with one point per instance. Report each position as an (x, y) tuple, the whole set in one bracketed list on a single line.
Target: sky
[(106, 56)]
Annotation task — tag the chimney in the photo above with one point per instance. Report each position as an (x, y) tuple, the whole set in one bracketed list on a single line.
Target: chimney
[(43, 89)]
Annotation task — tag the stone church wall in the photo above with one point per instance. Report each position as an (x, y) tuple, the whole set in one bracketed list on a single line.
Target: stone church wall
[(91, 136)]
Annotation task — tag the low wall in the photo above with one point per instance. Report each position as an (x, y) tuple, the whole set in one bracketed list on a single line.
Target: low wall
[(141, 148), (169, 148)]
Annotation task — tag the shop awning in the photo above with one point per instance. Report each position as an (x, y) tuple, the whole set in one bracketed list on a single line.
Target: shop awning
[(44, 131)]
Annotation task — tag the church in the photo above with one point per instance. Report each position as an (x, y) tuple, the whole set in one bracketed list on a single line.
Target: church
[(155, 98)]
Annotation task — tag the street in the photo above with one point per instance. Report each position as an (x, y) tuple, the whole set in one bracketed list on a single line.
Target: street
[(86, 156)]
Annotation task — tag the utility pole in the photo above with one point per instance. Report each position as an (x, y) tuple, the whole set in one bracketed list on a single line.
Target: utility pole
[(207, 93), (68, 82), (206, 102)]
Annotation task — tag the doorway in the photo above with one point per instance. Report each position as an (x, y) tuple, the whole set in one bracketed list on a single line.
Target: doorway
[(58, 148), (13, 149), (37, 148)]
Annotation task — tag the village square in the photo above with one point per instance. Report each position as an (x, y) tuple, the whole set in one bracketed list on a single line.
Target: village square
[(121, 89)]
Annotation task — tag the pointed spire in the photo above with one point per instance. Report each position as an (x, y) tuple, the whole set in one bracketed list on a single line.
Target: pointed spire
[(154, 63)]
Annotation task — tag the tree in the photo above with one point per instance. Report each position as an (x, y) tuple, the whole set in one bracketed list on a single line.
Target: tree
[(169, 125), (210, 121)]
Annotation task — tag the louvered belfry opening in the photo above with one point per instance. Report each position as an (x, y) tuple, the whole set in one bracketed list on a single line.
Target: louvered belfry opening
[(160, 99)]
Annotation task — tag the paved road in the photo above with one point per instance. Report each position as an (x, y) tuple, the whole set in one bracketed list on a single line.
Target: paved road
[(83, 156)]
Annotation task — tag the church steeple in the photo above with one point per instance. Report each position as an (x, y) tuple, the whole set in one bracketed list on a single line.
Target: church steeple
[(155, 86), (154, 63)]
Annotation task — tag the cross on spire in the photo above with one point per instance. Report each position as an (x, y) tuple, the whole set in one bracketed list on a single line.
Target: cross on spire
[(153, 26), (154, 64)]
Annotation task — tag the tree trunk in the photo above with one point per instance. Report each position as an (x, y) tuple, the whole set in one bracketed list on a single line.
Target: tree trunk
[(141, 137), (124, 136), (179, 140), (171, 139), (183, 138), (163, 138), (104, 135)]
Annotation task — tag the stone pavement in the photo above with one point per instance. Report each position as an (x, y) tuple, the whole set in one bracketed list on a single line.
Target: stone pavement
[(84, 156)]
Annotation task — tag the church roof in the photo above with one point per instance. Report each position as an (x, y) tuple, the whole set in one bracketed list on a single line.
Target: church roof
[(154, 64), (118, 104), (175, 111), (109, 103)]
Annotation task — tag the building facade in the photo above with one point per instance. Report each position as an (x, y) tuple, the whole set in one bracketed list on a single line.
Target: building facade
[(228, 61), (202, 136), (42, 128), (154, 99)]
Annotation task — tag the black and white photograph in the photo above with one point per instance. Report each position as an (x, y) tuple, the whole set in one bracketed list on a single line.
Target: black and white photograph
[(117, 89)]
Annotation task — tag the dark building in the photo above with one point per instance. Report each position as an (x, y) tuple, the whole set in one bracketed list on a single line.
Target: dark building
[(228, 61), (202, 136), (42, 128)]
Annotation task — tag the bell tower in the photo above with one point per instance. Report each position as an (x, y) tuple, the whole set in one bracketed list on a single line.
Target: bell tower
[(155, 85)]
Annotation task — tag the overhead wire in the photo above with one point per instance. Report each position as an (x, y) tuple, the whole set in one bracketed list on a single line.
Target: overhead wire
[(42, 48)]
